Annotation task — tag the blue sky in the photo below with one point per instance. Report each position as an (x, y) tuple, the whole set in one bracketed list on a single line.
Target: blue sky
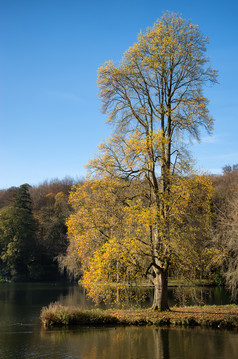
[(50, 51)]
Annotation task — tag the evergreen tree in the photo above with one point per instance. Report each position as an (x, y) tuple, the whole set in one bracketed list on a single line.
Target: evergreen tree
[(23, 198), (18, 236)]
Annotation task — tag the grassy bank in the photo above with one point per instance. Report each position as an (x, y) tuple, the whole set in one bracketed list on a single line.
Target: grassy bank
[(205, 316)]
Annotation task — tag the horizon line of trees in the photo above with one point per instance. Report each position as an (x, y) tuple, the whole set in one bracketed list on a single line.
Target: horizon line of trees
[(34, 244), (33, 231)]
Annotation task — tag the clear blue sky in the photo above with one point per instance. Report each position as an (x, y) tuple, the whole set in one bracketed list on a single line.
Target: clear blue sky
[(50, 51)]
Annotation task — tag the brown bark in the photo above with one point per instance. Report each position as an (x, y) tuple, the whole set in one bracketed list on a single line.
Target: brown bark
[(160, 281)]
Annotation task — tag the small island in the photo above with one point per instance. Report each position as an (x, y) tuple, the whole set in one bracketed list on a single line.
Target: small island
[(225, 316)]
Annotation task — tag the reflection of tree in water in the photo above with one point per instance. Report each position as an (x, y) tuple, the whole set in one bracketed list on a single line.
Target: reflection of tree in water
[(136, 296), (190, 295), (182, 295), (198, 295), (161, 343), (200, 343), (123, 297), (108, 343), (140, 343)]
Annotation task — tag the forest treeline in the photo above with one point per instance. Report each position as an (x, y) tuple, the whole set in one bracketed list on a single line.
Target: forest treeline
[(33, 232), (34, 244)]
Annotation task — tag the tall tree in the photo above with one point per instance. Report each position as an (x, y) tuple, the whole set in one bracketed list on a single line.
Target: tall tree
[(23, 198), (154, 98), (18, 235)]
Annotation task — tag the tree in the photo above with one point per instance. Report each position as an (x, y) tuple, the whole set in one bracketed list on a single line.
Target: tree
[(23, 198), (96, 219), (231, 246), (52, 225), (111, 232), (18, 235), (32, 220), (7, 196), (106, 234), (51, 209), (154, 98), (225, 225)]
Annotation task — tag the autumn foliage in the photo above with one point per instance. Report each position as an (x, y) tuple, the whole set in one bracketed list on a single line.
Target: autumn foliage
[(154, 101), (111, 227)]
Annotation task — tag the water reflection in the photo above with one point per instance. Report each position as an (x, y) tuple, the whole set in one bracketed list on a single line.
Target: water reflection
[(142, 343), (199, 296), (21, 335), (18, 297)]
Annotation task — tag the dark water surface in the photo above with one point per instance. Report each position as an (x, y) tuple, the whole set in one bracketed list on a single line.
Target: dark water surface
[(21, 335)]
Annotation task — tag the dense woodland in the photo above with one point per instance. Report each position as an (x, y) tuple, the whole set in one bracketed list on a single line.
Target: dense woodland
[(35, 246), (33, 232)]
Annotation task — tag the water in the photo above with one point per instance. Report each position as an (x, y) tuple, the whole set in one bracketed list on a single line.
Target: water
[(22, 336)]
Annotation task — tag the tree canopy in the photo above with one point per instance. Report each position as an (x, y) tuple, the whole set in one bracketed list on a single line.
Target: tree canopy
[(154, 100)]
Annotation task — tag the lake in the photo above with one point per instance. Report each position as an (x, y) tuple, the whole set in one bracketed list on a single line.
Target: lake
[(22, 336)]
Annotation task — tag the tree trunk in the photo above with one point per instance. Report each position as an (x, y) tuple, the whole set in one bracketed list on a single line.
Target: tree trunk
[(160, 301)]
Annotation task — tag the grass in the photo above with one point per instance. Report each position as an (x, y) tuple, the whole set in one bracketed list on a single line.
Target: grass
[(188, 283), (205, 316), (57, 315)]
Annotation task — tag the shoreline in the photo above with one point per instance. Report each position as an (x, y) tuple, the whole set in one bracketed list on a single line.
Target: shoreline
[(224, 316)]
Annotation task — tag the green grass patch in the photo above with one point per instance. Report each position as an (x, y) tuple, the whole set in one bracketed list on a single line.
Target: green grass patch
[(189, 283)]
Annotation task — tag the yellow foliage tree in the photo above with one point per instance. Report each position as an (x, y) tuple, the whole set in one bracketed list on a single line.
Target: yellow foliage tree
[(154, 99), (112, 231)]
